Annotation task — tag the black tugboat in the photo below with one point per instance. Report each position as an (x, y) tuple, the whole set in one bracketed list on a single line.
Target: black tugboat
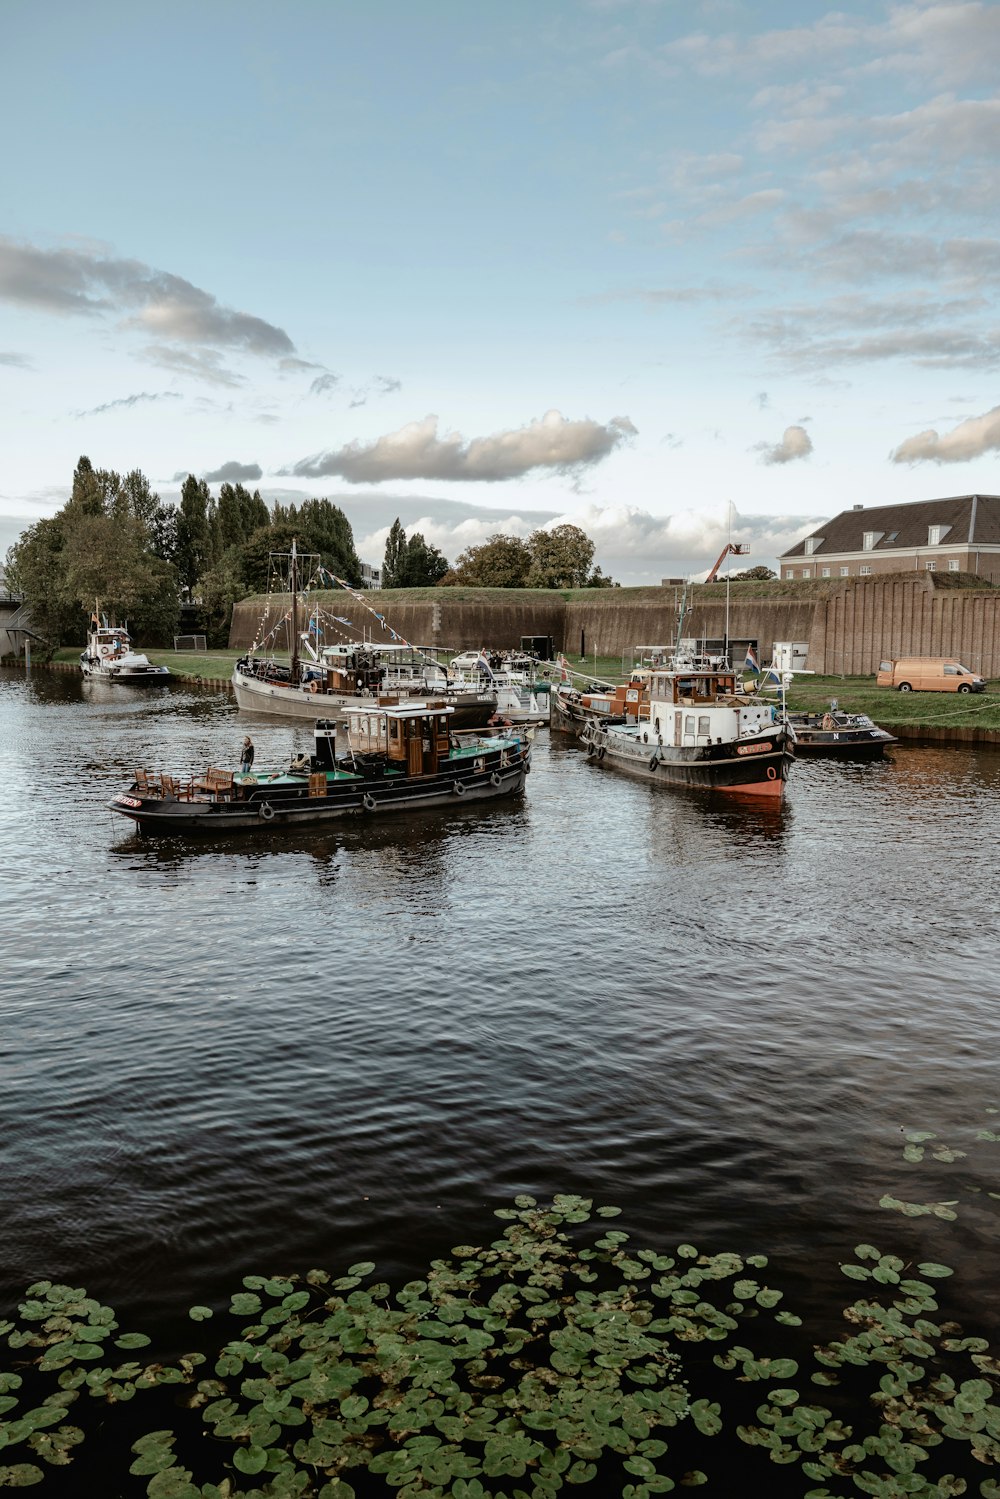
[(390, 760)]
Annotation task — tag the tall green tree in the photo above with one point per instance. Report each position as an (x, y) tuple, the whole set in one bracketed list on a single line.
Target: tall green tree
[(560, 558), (194, 540), (500, 562), (395, 553), (423, 565)]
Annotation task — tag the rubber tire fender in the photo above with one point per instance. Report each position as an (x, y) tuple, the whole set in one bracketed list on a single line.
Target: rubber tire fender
[(266, 811), (496, 779), (369, 802), (600, 752), (458, 787)]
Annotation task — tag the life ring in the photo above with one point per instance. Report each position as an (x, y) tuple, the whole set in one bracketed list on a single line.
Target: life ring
[(266, 811), (654, 762), (458, 787), (369, 802), (600, 752), (772, 774), (313, 687), (495, 779)]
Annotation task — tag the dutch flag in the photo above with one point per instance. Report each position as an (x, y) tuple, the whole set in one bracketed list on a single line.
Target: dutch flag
[(751, 663)]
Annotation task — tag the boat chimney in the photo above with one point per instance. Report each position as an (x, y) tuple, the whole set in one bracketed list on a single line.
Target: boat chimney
[(325, 752)]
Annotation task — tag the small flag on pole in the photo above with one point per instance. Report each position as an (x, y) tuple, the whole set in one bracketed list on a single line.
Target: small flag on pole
[(751, 663)]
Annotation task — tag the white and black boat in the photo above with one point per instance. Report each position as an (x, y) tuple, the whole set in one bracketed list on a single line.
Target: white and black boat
[(698, 730), (836, 735), (109, 657), (398, 760)]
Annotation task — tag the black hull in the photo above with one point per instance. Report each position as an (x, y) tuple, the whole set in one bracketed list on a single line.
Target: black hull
[(757, 767), (292, 807), (823, 746)]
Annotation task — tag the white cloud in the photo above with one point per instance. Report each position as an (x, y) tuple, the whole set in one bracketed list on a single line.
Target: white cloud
[(416, 451), (795, 443), (970, 439)]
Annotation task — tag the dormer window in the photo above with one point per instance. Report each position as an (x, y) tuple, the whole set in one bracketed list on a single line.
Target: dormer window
[(871, 540), (936, 534), (812, 542)]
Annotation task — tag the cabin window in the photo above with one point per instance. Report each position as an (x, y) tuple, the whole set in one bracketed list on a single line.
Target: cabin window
[(689, 724), (704, 724)]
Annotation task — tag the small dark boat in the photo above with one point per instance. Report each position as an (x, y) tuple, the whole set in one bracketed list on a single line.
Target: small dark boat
[(391, 760), (838, 735)]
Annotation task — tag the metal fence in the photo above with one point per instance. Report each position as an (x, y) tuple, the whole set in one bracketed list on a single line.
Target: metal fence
[(190, 643)]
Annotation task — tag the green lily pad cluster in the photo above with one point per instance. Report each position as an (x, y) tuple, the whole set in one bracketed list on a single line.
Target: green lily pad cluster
[(552, 1357)]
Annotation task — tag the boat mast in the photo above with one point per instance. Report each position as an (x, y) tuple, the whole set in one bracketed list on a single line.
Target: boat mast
[(294, 582)]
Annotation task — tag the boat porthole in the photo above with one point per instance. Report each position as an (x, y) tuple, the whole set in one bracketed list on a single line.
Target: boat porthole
[(458, 788), (772, 774), (369, 802), (266, 811), (495, 779)]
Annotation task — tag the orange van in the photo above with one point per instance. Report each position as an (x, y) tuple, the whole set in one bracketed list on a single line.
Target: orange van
[(928, 674)]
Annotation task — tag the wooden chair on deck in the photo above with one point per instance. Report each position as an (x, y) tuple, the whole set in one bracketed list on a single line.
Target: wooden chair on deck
[(171, 787)]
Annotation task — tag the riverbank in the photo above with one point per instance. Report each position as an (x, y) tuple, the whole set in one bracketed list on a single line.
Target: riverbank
[(932, 717)]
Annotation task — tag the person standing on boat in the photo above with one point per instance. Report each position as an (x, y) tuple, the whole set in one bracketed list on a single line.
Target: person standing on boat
[(246, 756)]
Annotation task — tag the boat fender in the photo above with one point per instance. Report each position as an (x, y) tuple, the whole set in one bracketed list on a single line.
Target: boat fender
[(772, 774), (266, 811), (645, 737), (600, 752), (369, 802), (660, 739), (313, 687), (495, 779), (458, 788), (654, 762), (527, 766)]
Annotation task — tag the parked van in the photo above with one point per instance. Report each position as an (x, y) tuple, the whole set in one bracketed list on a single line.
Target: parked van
[(928, 674)]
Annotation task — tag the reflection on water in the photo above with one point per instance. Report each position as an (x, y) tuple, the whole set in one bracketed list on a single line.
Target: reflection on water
[(316, 1048)]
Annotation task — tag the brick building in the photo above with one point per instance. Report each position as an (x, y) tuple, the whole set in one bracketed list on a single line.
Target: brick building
[(958, 535)]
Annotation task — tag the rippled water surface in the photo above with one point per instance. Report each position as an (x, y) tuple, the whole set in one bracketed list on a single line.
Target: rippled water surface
[(289, 1050)]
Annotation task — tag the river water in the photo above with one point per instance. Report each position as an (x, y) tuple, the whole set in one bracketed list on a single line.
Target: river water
[(292, 1050)]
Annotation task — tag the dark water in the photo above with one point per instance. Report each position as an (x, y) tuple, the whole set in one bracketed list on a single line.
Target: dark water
[(308, 1050)]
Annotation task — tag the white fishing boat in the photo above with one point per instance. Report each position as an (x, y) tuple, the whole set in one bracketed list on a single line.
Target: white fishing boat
[(333, 681), (109, 657)]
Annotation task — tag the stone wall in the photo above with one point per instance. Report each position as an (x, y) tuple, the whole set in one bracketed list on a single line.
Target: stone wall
[(849, 626)]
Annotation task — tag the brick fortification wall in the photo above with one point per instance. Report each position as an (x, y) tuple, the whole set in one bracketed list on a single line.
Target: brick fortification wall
[(850, 626)]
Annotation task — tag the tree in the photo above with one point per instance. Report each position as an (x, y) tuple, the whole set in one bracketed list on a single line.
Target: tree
[(501, 562), (754, 574), (193, 532), (99, 548), (392, 563), (560, 558), (424, 564)]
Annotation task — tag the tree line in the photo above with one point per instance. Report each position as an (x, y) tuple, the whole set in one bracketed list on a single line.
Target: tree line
[(116, 544), (560, 558)]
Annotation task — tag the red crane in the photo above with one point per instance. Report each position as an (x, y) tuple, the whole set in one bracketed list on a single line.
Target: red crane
[(738, 549)]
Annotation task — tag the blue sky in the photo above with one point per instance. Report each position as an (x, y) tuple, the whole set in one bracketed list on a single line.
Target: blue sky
[(628, 263)]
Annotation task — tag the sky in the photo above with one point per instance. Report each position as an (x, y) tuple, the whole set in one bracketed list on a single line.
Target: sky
[(675, 272)]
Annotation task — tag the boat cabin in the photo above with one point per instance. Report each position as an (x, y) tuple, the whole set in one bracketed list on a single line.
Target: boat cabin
[(412, 740), (690, 708)]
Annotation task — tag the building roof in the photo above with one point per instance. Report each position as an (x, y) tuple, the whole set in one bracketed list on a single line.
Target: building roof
[(971, 520)]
